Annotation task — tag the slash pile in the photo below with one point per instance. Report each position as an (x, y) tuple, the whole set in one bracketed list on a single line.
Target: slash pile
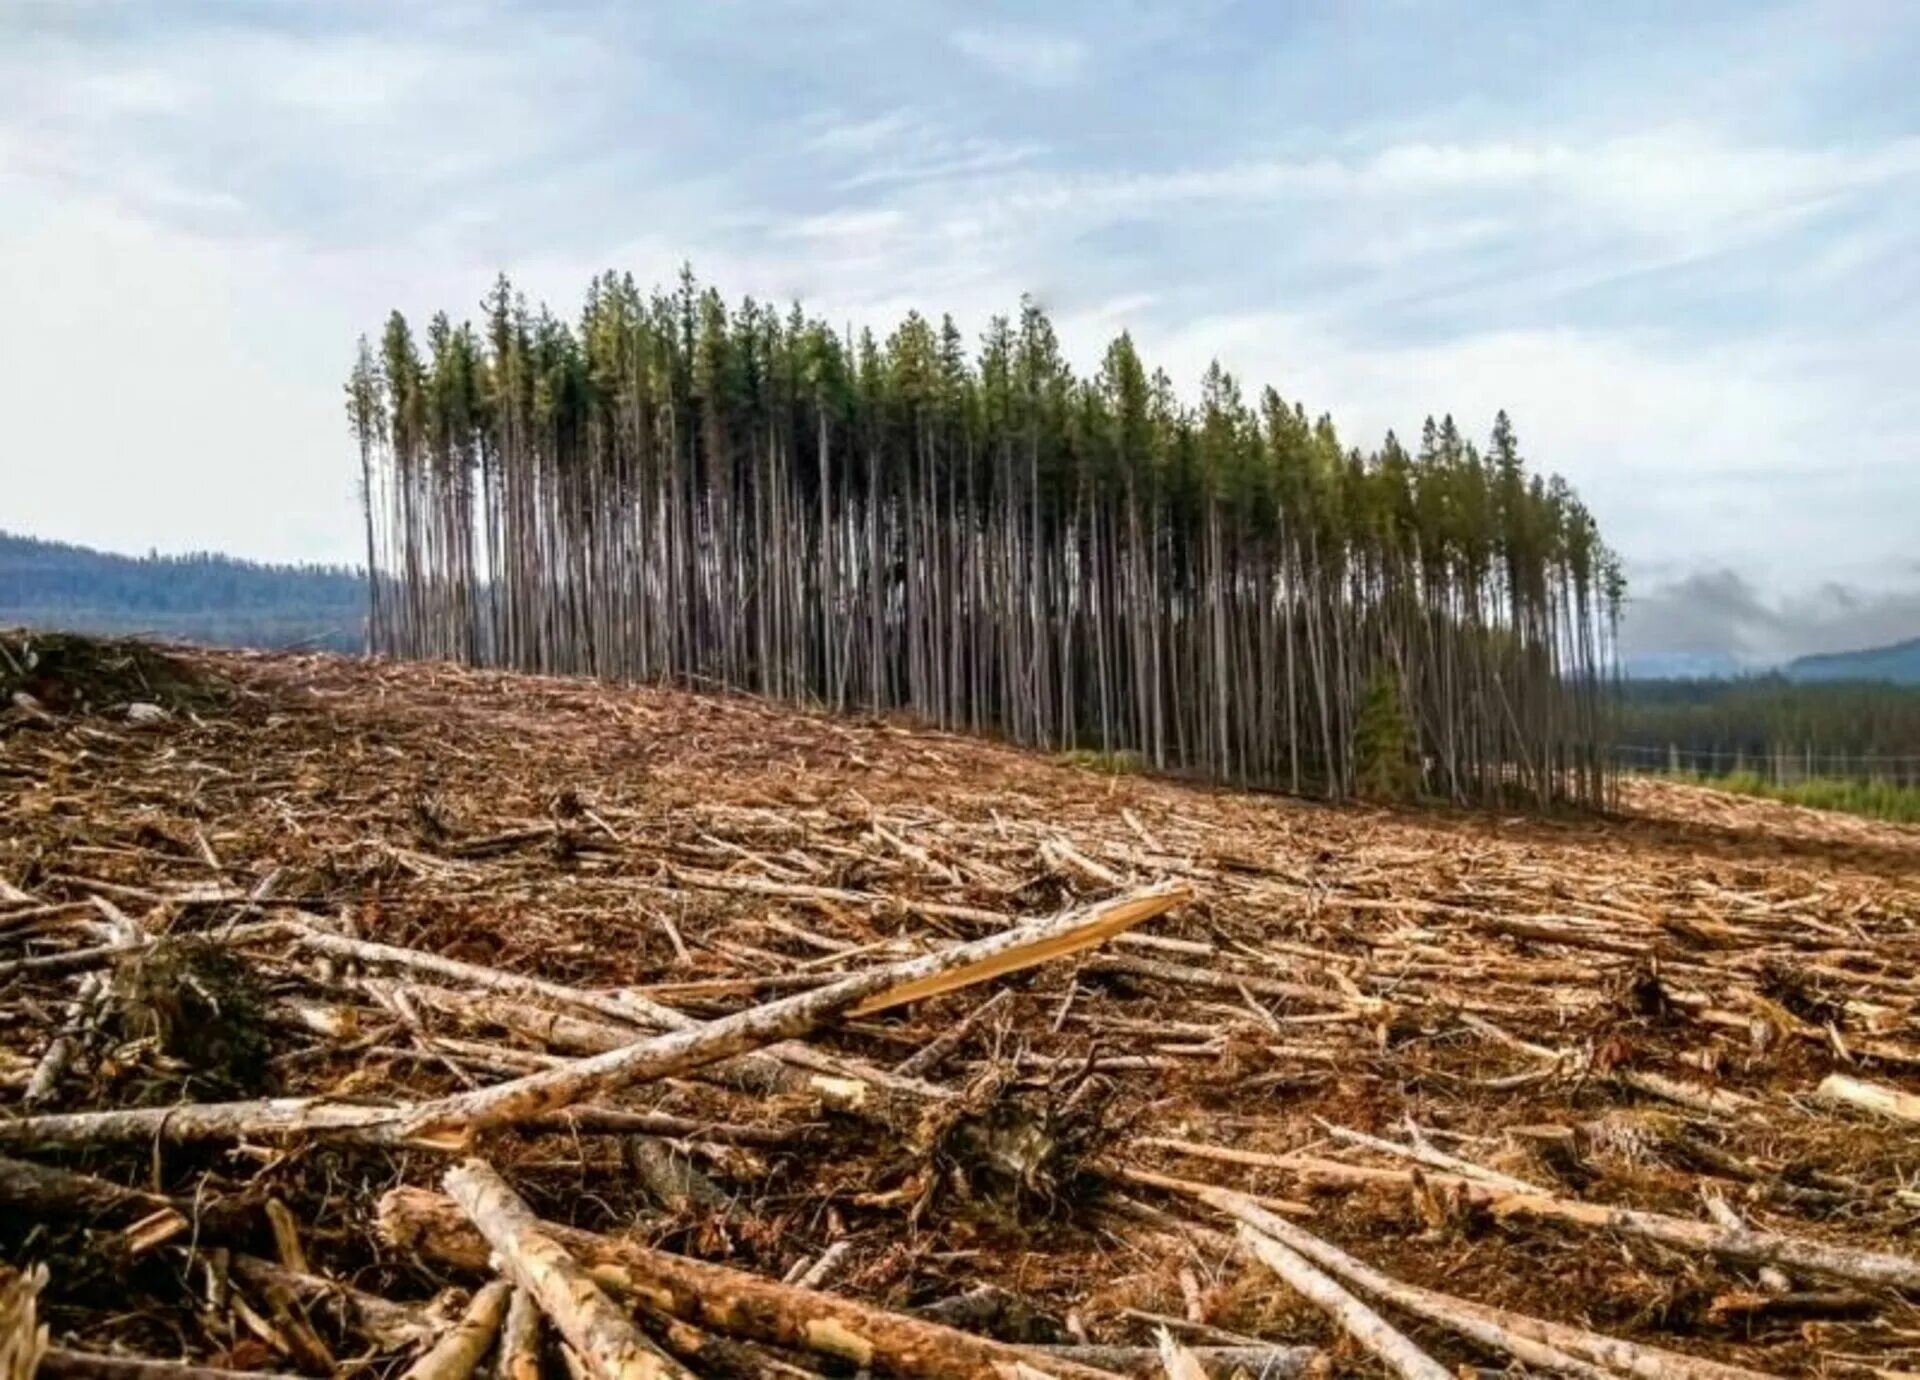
[(377, 1018)]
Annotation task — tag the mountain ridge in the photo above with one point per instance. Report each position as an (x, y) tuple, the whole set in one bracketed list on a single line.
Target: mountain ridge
[(203, 597)]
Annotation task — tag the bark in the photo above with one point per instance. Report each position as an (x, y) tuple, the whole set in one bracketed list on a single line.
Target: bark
[(454, 1119), (457, 1354), (63, 1364), (520, 1339), (733, 1301), (1354, 1317), (1217, 1362), (267, 1119), (580, 1312), (1878, 1269), (1870, 1097), (388, 1325)]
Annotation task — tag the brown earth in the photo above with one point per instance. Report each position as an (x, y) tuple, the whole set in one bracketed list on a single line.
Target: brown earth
[(1340, 967)]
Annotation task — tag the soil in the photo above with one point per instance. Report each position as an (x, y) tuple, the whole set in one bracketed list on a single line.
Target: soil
[(1367, 969)]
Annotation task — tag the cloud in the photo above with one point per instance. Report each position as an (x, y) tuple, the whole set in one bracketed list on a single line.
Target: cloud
[(1024, 55), (1697, 304), (1718, 613)]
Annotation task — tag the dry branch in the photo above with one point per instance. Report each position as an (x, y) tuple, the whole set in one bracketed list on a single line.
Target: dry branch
[(600, 1333), (457, 1354), (732, 1301), (1358, 1321), (1752, 1247), (1554, 1347), (455, 1119), (1869, 1097)]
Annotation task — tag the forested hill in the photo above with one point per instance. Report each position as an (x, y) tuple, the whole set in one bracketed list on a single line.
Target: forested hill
[(196, 598), (1899, 663)]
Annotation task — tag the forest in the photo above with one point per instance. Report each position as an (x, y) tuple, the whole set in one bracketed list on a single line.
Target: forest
[(1773, 727), (194, 598), (669, 489)]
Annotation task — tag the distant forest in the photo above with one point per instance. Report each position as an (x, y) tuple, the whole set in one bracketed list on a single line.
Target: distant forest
[(194, 598), (1773, 726)]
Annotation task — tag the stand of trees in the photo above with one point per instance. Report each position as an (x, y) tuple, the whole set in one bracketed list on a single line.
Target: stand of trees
[(1774, 728), (671, 490)]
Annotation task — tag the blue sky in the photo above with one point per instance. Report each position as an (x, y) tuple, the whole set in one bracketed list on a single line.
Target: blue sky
[(1677, 242)]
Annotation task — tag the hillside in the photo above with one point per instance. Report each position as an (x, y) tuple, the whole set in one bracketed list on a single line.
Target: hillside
[(1448, 1044), (210, 599), (1899, 663)]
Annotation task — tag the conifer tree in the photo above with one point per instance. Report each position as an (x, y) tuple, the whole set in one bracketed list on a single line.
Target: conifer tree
[(671, 489)]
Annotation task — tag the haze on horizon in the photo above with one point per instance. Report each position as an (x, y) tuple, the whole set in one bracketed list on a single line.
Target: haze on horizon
[(1676, 246)]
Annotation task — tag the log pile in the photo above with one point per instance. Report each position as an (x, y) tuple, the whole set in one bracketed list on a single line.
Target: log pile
[(410, 1020)]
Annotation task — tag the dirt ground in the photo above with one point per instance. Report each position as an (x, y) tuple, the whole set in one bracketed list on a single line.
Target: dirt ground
[(1636, 1012)]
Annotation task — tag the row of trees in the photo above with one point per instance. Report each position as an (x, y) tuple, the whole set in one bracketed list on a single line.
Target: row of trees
[(194, 598), (1773, 726), (670, 490)]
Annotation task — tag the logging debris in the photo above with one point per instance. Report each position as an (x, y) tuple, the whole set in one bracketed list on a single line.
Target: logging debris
[(1186, 1082)]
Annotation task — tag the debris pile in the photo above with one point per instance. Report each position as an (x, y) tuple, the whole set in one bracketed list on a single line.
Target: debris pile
[(406, 1019)]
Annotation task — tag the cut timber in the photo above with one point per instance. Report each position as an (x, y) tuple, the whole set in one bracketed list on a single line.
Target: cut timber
[(1869, 1097), (1218, 1362), (388, 1325), (1356, 1319), (1879, 1269), (520, 1340), (453, 1120), (1189, 976), (1427, 1155), (930, 1056), (269, 1119), (736, 1302), (1553, 1347), (61, 1364), (23, 1337), (602, 1334), (709, 1354), (457, 1354), (1176, 1360)]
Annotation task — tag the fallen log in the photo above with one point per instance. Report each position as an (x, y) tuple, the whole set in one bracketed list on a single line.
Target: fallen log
[(716, 1356), (1357, 1320), (457, 1354), (1219, 1362), (388, 1325), (842, 1083), (520, 1339), (1555, 1347), (1751, 1246), (929, 1056), (62, 1364), (455, 1119), (1187, 975), (267, 1119), (1869, 1097), (602, 1335), (736, 1302)]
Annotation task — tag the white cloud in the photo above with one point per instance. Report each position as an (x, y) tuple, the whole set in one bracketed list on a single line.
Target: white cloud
[(1680, 185), (862, 136), (1024, 55), (846, 225), (1722, 454)]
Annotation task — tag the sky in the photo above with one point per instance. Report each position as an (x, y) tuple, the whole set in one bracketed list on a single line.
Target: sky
[(1676, 242)]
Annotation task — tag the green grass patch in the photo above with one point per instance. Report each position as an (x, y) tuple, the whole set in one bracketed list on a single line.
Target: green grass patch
[(1873, 799)]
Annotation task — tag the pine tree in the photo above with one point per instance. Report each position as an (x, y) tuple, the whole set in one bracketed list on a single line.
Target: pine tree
[(672, 489)]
